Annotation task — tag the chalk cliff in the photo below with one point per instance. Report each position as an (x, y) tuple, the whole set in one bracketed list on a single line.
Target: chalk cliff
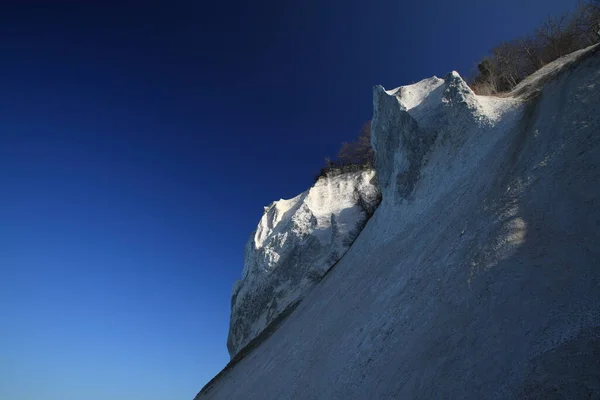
[(478, 276)]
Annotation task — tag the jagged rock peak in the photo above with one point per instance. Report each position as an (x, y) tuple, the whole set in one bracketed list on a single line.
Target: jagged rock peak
[(295, 244)]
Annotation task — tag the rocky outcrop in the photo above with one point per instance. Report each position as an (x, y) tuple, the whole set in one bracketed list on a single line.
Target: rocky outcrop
[(295, 244), (477, 276)]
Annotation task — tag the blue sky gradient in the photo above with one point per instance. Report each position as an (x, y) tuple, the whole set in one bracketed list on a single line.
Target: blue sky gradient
[(139, 143)]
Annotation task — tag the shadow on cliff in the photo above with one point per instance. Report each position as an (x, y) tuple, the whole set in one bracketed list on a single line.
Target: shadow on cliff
[(254, 343), (541, 259), (502, 301)]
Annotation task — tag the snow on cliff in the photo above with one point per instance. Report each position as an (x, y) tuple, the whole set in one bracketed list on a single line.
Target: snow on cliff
[(295, 244), (478, 274)]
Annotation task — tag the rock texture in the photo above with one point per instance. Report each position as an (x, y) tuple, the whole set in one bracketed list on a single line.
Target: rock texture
[(296, 242), (478, 276)]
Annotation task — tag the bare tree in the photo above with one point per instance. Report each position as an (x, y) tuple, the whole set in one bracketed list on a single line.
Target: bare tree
[(556, 37), (531, 54), (593, 3), (510, 62), (507, 65), (586, 23), (360, 151), (353, 156)]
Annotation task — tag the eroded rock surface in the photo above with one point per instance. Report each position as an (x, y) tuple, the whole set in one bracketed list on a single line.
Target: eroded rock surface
[(296, 242), (478, 274)]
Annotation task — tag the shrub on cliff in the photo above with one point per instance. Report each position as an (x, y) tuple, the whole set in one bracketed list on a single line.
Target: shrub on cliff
[(354, 156), (511, 62)]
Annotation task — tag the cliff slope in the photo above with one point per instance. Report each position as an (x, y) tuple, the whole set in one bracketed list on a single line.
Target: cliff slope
[(479, 274), (295, 244)]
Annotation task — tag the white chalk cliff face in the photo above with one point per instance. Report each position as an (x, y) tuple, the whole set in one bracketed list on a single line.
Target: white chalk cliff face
[(295, 244), (478, 274)]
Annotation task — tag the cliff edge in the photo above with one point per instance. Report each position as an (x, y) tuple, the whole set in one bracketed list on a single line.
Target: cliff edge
[(295, 244), (478, 276)]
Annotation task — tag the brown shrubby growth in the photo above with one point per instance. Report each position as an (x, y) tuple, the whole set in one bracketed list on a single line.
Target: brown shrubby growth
[(511, 62), (507, 65), (358, 152), (353, 156)]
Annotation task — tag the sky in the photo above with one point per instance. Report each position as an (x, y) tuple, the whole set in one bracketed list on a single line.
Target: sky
[(139, 143)]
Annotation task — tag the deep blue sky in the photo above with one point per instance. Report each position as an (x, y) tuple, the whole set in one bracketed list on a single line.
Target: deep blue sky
[(139, 143)]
